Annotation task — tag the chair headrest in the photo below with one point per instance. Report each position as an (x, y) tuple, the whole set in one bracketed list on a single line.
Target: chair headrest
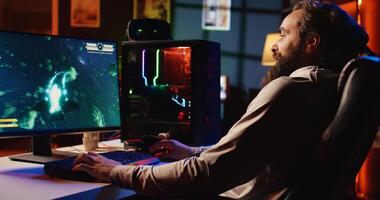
[(353, 64)]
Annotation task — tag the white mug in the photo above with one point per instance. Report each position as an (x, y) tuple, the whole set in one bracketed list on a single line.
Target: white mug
[(90, 141)]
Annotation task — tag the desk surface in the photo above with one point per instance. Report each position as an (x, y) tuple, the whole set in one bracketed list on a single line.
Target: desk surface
[(19, 180)]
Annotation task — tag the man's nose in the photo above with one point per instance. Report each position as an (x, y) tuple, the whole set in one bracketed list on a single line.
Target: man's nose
[(274, 48)]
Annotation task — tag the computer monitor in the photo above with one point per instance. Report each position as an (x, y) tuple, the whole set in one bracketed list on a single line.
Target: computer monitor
[(56, 85), (171, 86)]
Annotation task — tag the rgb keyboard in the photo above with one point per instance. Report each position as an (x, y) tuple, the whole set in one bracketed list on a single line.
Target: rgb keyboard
[(63, 168)]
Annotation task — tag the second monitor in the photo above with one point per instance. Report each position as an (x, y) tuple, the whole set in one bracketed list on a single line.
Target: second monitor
[(171, 86)]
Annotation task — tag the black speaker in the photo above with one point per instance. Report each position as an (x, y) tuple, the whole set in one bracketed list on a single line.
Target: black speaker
[(148, 29)]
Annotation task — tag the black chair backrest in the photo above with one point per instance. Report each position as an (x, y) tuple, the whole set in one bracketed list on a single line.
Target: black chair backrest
[(346, 142)]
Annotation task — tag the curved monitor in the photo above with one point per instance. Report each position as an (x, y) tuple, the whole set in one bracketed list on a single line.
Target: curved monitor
[(52, 85)]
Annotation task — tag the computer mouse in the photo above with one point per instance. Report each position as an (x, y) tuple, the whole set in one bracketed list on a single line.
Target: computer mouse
[(146, 141), (160, 152)]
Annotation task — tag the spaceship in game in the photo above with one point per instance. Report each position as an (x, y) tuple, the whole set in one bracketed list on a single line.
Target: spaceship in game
[(56, 101)]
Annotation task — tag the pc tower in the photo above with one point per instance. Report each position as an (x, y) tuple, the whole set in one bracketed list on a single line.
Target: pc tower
[(173, 87)]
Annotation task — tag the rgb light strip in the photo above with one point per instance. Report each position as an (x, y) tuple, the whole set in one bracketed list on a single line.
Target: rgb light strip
[(143, 68), (157, 68)]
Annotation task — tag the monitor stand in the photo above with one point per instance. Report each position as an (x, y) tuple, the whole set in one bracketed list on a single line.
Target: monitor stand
[(41, 152)]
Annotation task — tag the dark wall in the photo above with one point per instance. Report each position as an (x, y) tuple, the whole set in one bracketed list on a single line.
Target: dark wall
[(242, 45), (26, 16), (114, 17)]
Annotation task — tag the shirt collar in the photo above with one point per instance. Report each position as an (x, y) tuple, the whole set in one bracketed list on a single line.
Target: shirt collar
[(303, 71)]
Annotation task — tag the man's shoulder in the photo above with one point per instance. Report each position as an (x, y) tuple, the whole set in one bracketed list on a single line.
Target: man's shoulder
[(286, 84), (305, 83), (282, 87), (305, 78)]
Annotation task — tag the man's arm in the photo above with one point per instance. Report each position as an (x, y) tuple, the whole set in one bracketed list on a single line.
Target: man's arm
[(175, 150), (280, 120)]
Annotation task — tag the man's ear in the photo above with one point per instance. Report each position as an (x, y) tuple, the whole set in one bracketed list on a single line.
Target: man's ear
[(312, 42)]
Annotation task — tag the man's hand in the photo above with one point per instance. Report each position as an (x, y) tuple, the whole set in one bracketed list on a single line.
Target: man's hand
[(94, 164), (172, 149)]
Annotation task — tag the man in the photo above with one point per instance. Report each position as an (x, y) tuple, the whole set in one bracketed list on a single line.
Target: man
[(275, 142)]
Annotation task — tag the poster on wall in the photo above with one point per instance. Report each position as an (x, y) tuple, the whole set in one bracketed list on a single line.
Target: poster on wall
[(216, 15), (85, 13), (155, 9)]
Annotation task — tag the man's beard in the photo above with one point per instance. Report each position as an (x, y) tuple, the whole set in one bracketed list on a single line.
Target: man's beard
[(284, 65)]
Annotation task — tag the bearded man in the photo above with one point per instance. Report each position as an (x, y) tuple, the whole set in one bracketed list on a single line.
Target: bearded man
[(275, 142)]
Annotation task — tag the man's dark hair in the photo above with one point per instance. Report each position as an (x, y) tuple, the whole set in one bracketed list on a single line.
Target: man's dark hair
[(341, 37)]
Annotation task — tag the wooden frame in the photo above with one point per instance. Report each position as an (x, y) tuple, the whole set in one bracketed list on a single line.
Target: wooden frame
[(156, 9), (85, 13)]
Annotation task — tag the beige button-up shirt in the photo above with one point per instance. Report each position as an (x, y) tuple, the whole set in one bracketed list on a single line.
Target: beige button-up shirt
[(262, 155)]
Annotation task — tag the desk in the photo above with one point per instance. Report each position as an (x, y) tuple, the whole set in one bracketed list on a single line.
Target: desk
[(19, 180)]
